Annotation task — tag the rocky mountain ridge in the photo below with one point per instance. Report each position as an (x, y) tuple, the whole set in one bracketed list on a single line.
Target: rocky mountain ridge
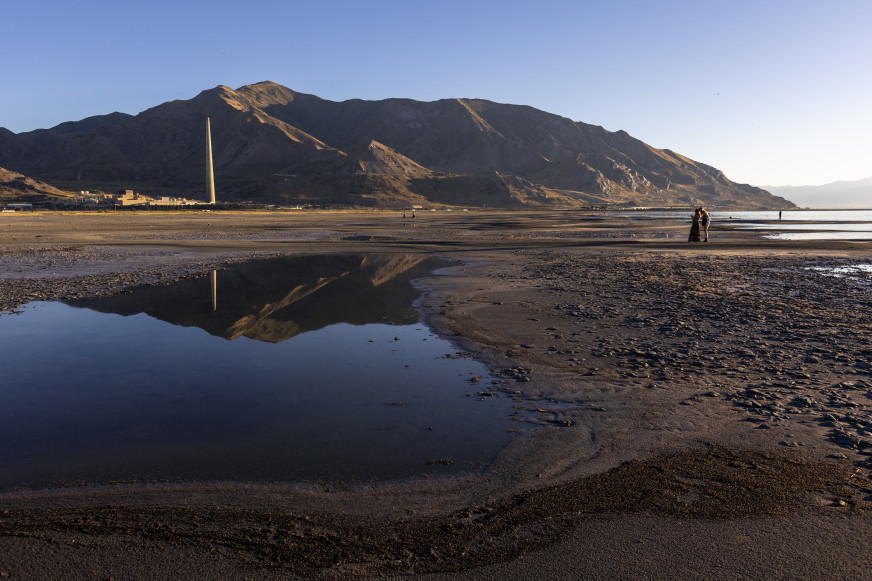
[(272, 144), (17, 187)]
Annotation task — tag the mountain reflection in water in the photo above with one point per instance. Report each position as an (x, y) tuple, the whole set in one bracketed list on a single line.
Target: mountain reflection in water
[(274, 300), (341, 381)]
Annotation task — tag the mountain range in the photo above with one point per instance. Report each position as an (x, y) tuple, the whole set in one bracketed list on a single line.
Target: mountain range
[(272, 144), (843, 194)]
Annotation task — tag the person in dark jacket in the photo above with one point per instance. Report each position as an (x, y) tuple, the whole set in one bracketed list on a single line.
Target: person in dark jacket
[(694, 227)]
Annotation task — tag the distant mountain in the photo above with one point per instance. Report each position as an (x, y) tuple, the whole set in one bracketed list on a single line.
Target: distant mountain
[(17, 187), (856, 194), (276, 145)]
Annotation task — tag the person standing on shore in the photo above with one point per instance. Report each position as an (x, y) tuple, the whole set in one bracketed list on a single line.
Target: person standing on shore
[(705, 220), (694, 227)]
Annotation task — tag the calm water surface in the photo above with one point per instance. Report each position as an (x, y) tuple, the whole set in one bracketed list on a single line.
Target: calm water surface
[(793, 224), (761, 215), (311, 368)]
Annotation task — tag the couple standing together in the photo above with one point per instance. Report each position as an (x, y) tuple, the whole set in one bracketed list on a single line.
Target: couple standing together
[(701, 219)]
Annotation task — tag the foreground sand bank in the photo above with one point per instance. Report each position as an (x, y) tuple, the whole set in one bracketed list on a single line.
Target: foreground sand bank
[(667, 387)]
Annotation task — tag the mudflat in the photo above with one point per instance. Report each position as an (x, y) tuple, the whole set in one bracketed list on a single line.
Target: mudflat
[(684, 410)]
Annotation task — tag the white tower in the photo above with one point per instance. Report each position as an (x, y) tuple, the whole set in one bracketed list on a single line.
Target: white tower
[(211, 173)]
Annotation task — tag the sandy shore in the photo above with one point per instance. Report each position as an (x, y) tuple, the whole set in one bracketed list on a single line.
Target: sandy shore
[(685, 411)]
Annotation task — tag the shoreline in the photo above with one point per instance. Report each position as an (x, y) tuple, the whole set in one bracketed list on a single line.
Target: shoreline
[(569, 309)]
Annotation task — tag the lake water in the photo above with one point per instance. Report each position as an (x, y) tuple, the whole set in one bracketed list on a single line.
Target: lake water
[(805, 224), (853, 216), (792, 225), (293, 369)]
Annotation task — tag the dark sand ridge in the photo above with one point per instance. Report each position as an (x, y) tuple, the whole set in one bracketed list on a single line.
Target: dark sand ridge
[(687, 389)]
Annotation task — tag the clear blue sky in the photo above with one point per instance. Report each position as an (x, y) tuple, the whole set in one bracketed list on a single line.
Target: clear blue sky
[(771, 92)]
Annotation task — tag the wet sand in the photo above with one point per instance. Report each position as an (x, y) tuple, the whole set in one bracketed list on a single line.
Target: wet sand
[(683, 410)]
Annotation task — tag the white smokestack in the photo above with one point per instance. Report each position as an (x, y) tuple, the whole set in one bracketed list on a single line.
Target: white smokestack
[(209, 164)]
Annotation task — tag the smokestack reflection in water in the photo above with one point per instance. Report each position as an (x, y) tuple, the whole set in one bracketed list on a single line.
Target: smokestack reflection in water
[(214, 277)]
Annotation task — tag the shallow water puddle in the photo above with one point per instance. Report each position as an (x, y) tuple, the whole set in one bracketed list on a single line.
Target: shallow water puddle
[(827, 235), (857, 272), (290, 369)]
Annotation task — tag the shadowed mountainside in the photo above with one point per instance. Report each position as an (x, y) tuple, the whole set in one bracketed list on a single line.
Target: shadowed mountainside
[(272, 144)]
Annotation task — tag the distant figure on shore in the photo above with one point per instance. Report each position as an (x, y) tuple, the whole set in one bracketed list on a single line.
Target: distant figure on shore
[(705, 220), (779, 214), (694, 227)]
